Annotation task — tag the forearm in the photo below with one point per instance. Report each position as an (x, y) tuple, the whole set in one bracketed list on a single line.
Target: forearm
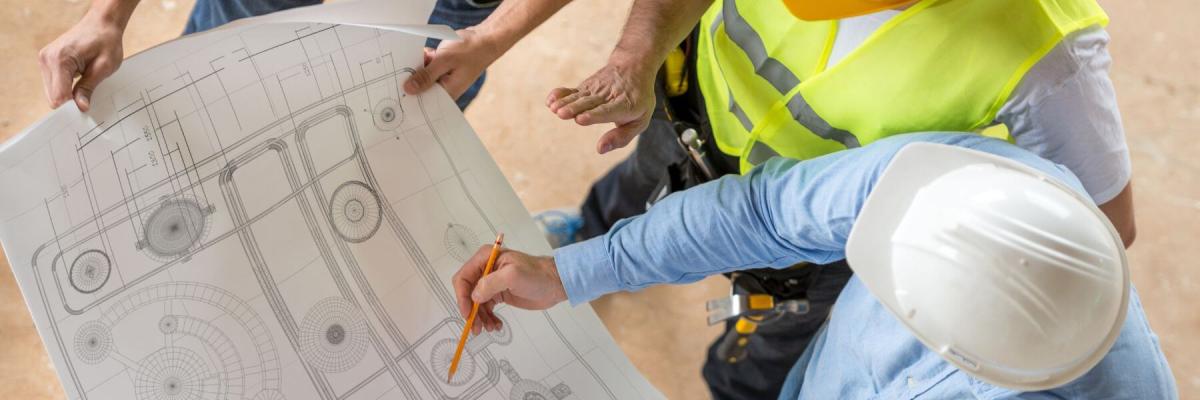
[(512, 20), (779, 214), (115, 12), (654, 28)]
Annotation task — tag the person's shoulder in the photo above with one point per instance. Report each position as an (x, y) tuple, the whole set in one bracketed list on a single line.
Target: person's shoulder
[(1082, 51)]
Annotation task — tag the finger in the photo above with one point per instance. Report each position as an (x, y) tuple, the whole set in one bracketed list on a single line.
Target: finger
[(491, 286), (487, 313), (44, 67), (100, 69), (568, 99), (424, 78), (428, 56), (558, 93), (495, 314), (481, 319), (584, 104), (465, 279), (478, 325), (59, 72), (495, 320), (621, 135), (604, 113)]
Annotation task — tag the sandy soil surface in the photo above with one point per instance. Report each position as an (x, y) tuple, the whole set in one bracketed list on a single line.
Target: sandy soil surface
[(551, 163)]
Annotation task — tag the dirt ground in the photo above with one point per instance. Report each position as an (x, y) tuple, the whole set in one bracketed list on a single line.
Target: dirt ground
[(551, 163)]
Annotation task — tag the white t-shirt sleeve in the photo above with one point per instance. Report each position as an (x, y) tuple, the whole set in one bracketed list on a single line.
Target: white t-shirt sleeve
[(1065, 110)]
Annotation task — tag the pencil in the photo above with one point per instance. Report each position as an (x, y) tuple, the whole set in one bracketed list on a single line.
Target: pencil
[(462, 341)]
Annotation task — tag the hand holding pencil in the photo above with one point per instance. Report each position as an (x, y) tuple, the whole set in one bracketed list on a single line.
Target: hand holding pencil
[(518, 279), (523, 281), (470, 321)]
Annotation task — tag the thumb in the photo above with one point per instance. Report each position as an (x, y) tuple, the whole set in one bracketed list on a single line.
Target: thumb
[(493, 285), (425, 77), (621, 135), (99, 69)]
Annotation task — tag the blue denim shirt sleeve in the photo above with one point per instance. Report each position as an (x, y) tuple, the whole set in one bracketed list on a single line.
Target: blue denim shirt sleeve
[(781, 213), (725, 225)]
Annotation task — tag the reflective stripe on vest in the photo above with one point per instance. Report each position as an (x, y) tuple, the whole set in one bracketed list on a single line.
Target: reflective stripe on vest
[(733, 106), (778, 76), (940, 65), (769, 68)]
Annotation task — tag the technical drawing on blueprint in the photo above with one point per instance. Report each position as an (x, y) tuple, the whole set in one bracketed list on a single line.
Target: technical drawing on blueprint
[(260, 212)]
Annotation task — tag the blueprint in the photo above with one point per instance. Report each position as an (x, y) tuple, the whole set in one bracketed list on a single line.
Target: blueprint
[(260, 212)]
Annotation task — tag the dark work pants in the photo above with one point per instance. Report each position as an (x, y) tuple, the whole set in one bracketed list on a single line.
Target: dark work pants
[(624, 190), (775, 347)]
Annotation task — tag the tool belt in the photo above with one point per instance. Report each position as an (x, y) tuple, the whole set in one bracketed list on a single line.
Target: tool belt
[(759, 296)]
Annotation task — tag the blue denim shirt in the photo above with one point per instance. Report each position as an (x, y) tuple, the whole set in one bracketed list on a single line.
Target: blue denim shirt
[(787, 211), (458, 14)]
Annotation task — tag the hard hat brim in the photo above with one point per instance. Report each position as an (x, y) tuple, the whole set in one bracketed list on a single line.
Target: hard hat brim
[(869, 247)]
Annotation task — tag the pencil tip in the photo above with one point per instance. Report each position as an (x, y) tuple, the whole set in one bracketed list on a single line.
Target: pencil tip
[(500, 238)]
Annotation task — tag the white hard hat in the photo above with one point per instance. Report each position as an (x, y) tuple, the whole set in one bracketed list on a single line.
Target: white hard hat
[(1003, 271)]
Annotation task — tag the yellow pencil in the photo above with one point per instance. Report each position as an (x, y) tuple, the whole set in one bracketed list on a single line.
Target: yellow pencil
[(462, 341)]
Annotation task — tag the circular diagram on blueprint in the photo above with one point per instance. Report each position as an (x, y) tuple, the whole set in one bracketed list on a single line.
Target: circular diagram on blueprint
[(333, 336), (388, 114), (441, 356), (174, 228), (355, 211), (90, 270), (176, 373), (93, 342), (460, 242)]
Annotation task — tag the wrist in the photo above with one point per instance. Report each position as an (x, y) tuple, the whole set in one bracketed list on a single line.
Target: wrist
[(634, 64), (496, 40), (111, 13), (558, 292)]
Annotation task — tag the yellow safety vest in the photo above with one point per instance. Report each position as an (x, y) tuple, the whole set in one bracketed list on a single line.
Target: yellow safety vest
[(939, 65)]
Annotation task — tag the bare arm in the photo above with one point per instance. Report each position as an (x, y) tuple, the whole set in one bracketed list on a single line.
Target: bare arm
[(654, 28), (91, 50), (1120, 211), (622, 92), (457, 64), (512, 20)]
